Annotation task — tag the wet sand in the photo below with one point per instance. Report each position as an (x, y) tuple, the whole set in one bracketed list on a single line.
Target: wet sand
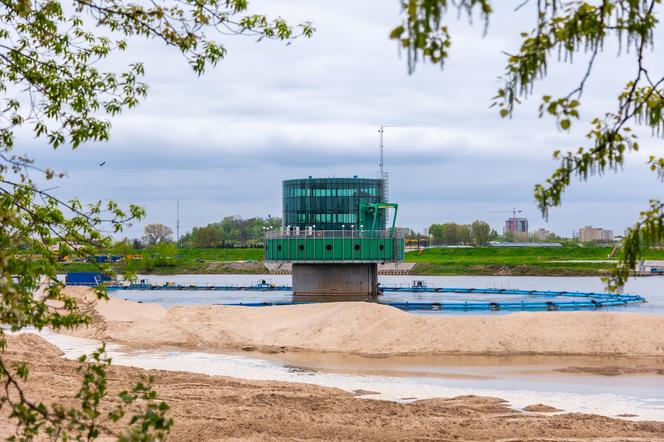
[(213, 408), (465, 366)]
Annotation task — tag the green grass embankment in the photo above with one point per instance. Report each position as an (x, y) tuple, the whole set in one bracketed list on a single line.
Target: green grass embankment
[(535, 261)]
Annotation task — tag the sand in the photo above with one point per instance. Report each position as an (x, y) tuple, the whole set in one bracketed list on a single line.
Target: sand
[(370, 329), (541, 408), (613, 370), (216, 408)]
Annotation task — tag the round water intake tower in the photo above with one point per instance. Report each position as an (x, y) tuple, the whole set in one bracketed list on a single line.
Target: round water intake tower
[(335, 233)]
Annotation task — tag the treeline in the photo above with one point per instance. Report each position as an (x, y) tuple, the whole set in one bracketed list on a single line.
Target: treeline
[(232, 231), (478, 233)]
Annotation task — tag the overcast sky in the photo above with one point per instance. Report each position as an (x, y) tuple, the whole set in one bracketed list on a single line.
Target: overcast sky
[(222, 144)]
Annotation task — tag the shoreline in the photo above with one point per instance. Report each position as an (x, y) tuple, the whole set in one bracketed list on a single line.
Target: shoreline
[(483, 271)]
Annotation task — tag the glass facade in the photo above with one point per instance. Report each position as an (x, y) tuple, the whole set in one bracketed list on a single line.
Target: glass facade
[(329, 203)]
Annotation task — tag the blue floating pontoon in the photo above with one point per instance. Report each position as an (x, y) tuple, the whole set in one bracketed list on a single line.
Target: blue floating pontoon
[(554, 300)]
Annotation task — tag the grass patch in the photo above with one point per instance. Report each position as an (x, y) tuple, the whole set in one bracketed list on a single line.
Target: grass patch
[(522, 261)]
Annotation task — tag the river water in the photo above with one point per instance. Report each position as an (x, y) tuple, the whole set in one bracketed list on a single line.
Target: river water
[(652, 288)]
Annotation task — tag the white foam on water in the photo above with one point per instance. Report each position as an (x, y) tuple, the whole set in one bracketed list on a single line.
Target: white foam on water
[(646, 407)]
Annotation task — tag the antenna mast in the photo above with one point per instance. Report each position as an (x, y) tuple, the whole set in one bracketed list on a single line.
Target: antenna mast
[(380, 165), (381, 169), (381, 129)]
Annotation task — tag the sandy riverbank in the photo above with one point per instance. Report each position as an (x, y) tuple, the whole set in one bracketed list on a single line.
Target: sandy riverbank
[(370, 329), (213, 408)]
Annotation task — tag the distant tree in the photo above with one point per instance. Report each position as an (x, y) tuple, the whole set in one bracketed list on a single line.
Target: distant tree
[(465, 234), (450, 233), (509, 237), (456, 233), (157, 233), (551, 237), (481, 232), (204, 237), (166, 249), (436, 233), (164, 254), (232, 231), (137, 244), (121, 247)]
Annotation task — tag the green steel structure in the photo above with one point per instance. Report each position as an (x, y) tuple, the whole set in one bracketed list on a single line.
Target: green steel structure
[(334, 234), (338, 220), (335, 246)]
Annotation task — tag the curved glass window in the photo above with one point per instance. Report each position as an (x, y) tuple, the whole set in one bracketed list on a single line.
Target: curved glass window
[(328, 203)]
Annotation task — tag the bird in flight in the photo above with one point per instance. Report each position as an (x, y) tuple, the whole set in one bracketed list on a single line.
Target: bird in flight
[(102, 164)]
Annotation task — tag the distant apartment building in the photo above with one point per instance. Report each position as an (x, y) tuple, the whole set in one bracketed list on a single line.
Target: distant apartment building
[(595, 234), (516, 226), (542, 234)]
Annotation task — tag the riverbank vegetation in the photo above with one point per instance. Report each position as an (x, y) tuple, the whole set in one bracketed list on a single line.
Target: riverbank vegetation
[(526, 261), (543, 261)]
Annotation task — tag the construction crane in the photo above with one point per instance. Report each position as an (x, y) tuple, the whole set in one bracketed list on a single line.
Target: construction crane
[(513, 212)]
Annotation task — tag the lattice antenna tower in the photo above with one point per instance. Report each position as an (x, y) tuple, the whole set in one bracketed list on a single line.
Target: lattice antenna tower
[(381, 170)]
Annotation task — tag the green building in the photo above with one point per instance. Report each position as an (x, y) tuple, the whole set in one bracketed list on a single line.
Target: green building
[(335, 233)]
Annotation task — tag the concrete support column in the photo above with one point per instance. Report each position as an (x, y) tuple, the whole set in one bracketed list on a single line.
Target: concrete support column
[(335, 279)]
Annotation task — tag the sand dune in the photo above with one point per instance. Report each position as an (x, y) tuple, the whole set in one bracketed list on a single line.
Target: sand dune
[(371, 329)]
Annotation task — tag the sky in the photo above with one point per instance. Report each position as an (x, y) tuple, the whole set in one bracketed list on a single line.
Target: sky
[(221, 144)]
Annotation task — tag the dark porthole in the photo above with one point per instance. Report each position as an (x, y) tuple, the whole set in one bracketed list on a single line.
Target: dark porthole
[(357, 247), (301, 247), (278, 247), (381, 247), (328, 247)]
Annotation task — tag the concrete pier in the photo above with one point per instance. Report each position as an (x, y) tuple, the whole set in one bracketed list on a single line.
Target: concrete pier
[(335, 279)]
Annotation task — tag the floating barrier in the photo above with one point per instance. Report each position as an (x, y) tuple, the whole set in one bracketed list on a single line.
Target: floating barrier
[(262, 287), (553, 301)]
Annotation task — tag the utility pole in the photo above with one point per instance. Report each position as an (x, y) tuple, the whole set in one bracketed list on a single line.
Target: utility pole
[(177, 225)]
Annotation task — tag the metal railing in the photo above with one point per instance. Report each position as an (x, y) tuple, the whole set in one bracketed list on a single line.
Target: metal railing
[(336, 234)]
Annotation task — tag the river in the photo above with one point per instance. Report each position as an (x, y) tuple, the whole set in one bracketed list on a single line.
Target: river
[(652, 288)]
